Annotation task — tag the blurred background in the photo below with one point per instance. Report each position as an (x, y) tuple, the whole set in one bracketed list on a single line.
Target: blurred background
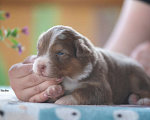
[(94, 19)]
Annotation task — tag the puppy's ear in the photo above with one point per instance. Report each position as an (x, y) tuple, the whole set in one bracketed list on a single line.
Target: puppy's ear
[(43, 44), (82, 49), (39, 43)]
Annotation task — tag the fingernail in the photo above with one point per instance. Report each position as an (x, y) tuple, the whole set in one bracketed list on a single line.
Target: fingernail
[(45, 95)]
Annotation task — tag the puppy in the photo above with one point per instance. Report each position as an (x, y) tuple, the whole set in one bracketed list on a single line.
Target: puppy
[(91, 76)]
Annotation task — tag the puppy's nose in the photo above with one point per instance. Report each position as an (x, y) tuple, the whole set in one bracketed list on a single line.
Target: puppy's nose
[(41, 67)]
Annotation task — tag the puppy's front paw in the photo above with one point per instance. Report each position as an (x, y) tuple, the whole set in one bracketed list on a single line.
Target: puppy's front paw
[(54, 91), (144, 101), (133, 98), (67, 100)]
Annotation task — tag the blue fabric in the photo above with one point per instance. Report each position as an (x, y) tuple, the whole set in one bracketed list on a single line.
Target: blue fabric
[(13, 109), (45, 111), (94, 113)]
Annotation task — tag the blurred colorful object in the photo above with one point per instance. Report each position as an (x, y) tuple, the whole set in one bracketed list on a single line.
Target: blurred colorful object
[(4, 15), (95, 21), (11, 34)]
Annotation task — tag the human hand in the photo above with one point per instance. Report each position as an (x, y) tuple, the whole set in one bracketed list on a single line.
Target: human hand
[(27, 85), (142, 55)]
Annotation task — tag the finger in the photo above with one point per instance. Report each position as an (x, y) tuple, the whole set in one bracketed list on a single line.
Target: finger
[(33, 80), (20, 70), (39, 97), (32, 91), (30, 59), (43, 96), (26, 94)]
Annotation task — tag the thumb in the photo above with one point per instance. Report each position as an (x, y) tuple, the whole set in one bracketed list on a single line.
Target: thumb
[(30, 59), (20, 70)]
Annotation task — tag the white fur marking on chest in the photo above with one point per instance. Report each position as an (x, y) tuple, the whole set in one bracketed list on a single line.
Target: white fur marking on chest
[(69, 84)]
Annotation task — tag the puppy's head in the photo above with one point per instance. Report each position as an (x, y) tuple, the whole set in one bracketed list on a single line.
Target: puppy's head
[(63, 52)]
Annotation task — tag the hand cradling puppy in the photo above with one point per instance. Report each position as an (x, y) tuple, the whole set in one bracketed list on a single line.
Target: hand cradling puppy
[(91, 75)]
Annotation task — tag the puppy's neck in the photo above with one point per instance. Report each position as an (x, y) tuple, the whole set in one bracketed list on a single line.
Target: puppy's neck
[(86, 72), (73, 83)]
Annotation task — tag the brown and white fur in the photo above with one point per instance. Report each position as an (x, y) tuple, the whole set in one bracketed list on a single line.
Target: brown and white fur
[(91, 75)]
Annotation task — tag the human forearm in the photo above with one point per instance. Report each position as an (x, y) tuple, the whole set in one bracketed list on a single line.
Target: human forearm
[(132, 28)]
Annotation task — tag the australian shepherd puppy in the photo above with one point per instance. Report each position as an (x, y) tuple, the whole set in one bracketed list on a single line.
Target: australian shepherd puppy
[(91, 75)]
